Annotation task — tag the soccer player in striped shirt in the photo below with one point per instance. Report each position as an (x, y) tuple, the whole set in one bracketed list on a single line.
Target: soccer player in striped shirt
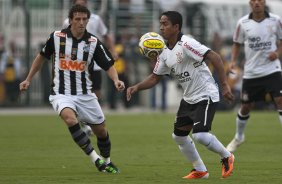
[(73, 51), (259, 31), (184, 59)]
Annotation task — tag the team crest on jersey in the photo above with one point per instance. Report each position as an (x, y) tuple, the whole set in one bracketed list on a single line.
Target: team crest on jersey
[(60, 34), (179, 58), (86, 48)]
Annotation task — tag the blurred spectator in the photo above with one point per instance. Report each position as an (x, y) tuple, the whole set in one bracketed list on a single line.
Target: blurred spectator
[(121, 67), (11, 73)]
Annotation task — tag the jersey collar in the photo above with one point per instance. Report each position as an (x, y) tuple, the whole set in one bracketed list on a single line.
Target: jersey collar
[(69, 34), (178, 39), (265, 13)]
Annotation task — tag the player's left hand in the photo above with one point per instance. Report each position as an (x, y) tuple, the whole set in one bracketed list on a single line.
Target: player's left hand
[(273, 56), (119, 85), (227, 94)]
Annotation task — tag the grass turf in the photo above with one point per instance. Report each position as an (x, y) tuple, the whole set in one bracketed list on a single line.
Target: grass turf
[(38, 149)]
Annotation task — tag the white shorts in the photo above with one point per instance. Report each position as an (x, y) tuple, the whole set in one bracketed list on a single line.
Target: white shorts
[(86, 107)]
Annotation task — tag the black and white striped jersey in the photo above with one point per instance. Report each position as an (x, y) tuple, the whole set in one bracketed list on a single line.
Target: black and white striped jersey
[(73, 61)]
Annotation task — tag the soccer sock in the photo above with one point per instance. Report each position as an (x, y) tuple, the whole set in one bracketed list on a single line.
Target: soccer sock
[(211, 143), (188, 149), (104, 145), (81, 139), (241, 122), (280, 116)]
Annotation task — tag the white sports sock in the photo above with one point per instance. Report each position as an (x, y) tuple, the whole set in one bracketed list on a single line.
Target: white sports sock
[(240, 127), (211, 143), (94, 156), (107, 160), (188, 149)]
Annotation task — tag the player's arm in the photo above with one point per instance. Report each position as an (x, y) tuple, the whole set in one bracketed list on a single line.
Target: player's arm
[(217, 63), (35, 67), (147, 83), (276, 54), (112, 73), (234, 55)]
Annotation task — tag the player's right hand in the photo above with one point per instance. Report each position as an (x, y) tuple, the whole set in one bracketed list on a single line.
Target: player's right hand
[(130, 91), (24, 85)]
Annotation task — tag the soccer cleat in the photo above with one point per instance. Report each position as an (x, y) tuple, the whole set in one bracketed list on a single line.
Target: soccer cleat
[(101, 165), (197, 175), (227, 166), (234, 144), (111, 168)]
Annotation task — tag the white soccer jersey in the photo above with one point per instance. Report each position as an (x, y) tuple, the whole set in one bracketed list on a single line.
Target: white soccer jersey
[(73, 61), (94, 26), (185, 63), (259, 38)]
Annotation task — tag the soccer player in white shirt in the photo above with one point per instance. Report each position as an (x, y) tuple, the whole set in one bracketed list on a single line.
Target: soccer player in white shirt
[(73, 51), (259, 31), (97, 27), (184, 59)]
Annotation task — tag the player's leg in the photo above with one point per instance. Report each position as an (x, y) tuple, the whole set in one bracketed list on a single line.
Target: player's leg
[(278, 102), (203, 116), (93, 115), (275, 86), (241, 122), (182, 127)]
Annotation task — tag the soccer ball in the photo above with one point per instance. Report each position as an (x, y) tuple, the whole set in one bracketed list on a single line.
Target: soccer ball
[(151, 45)]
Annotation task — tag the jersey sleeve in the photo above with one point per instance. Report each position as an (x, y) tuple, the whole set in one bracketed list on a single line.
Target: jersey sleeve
[(279, 28), (194, 49), (102, 56), (238, 36), (161, 68), (49, 48)]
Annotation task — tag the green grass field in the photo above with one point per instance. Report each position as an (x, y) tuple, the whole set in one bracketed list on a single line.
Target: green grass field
[(39, 150)]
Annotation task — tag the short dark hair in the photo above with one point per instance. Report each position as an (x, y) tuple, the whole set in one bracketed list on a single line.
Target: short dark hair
[(174, 17), (78, 8)]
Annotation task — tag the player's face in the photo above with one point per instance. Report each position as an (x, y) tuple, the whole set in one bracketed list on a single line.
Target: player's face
[(79, 22), (167, 29), (257, 6)]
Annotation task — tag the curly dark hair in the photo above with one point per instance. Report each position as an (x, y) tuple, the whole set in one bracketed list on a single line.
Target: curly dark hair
[(78, 8)]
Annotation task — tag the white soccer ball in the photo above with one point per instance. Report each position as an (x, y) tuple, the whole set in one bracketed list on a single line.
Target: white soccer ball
[(151, 45)]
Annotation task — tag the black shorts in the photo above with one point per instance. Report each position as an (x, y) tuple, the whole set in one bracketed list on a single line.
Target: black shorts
[(254, 90), (96, 78), (200, 115)]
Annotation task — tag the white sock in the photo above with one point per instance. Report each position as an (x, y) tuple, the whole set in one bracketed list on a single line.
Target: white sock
[(107, 160), (280, 116), (188, 149), (240, 126), (211, 143), (94, 156)]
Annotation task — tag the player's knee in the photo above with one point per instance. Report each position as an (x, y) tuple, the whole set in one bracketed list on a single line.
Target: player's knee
[(203, 138), (180, 140)]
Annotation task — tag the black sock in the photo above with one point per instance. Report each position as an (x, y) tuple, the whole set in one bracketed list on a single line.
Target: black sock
[(104, 145), (81, 139)]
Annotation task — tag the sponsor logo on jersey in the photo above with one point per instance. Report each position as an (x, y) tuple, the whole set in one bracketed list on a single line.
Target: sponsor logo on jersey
[(181, 77), (256, 44), (72, 65), (60, 34), (192, 50)]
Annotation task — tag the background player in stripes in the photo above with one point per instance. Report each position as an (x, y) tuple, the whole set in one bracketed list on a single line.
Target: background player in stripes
[(73, 51), (184, 59), (259, 31)]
